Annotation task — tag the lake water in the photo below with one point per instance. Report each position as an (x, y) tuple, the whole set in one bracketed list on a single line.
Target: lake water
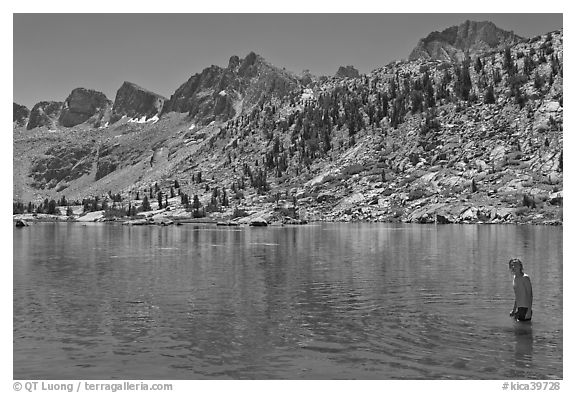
[(329, 301)]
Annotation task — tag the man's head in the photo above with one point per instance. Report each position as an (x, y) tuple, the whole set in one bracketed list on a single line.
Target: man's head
[(515, 264)]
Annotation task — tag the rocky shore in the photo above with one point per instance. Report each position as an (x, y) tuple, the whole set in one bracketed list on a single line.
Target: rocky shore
[(422, 211)]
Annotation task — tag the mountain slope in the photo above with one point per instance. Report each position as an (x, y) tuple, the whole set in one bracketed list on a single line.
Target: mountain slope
[(417, 141)]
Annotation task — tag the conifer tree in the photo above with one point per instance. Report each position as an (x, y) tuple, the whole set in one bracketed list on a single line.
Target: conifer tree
[(528, 65), (463, 83), (416, 98), (429, 91), (489, 95), (496, 76), (538, 81), (508, 62), (478, 65), (184, 199), (146, 204), (196, 205)]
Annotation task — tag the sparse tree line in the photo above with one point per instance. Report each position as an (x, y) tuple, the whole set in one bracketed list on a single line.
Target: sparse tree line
[(114, 205), (296, 138)]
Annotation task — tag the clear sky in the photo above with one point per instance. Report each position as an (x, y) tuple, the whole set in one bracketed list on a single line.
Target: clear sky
[(55, 53)]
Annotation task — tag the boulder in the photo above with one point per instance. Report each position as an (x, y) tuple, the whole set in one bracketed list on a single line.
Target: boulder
[(258, 222), (21, 223), (501, 213), (470, 214), (542, 116), (162, 221), (293, 221), (556, 198), (481, 165), (498, 155), (443, 219), (227, 224), (91, 216), (141, 221)]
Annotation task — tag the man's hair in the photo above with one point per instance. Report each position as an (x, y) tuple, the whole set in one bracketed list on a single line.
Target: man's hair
[(514, 261)]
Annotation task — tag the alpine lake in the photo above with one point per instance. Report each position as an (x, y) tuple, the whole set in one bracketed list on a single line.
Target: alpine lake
[(318, 301)]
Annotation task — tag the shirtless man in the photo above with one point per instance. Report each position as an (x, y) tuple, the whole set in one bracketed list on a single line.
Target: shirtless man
[(522, 310)]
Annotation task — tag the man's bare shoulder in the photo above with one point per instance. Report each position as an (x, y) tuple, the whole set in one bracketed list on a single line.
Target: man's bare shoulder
[(526, 278)]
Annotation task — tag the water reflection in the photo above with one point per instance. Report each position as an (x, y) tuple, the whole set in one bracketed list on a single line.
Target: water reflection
[(524, 345), (325, 301)]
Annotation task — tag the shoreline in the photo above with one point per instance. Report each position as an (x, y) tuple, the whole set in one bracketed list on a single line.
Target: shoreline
[(29, 218)]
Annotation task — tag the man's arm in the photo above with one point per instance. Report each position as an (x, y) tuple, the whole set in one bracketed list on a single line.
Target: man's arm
[(513, 310), (528, 284)]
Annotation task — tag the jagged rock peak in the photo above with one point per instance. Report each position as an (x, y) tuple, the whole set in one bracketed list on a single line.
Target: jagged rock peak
[(44, 113), (217, 93), (246, 67), (347, 72), (135, 101), (20, 114), (82, 105), (452, 43), (234, 62)]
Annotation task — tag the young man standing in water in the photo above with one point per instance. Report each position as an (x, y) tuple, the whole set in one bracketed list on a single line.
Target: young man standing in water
[(522, 310)]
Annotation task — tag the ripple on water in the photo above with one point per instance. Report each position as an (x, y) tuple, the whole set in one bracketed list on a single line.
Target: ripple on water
[(356, 301)]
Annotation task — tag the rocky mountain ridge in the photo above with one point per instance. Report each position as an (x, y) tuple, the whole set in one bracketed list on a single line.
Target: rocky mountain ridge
[(220, 94), (20, 115), (90, 108), (454, 43), (418, 141), (44, 114)]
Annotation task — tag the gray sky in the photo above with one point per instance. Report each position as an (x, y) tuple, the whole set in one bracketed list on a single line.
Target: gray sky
[(55, 53)]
